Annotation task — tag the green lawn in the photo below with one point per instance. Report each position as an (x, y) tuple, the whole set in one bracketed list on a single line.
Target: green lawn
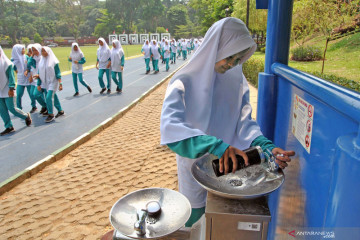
[(62, 53), (342, 58)]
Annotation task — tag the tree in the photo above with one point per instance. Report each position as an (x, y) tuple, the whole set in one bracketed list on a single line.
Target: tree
[(25, 40), (177, 15), (303, 23), (160, 30), (37, 38)]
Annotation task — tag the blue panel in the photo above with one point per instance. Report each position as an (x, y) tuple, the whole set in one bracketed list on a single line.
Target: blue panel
[(329, 181), (261, 4)]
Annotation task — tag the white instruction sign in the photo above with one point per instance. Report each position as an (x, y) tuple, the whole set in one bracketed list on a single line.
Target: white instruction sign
[(302, 121)]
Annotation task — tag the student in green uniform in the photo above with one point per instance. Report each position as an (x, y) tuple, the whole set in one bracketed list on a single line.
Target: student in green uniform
[(18, 57), (50, 76), (155, 55), (166, 55), (103, 64), (7, 92), (146, 51), (117, 64), (77, 59), (29, 59)]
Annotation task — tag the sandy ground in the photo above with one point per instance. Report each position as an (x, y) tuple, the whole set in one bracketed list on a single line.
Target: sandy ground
[(72, 198)]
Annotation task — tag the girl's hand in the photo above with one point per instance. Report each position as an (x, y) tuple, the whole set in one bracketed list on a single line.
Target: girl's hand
[(122, 68), (282, 157), (11, 92), (231, 153), (60, 87), (39, 88), (26, 73), (70, 58), (36, 76), (76, 62)]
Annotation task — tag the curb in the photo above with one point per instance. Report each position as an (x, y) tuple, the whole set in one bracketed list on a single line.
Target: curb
[(18, 178)]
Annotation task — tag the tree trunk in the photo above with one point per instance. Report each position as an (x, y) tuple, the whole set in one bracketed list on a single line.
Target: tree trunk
[(247, 13), (327, 41)]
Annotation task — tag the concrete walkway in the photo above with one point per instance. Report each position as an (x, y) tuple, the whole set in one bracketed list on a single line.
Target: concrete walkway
[(72, 198)]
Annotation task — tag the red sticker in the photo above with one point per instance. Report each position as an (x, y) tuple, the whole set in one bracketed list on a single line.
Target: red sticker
[(307, 141), (308, 126), (310, 110)]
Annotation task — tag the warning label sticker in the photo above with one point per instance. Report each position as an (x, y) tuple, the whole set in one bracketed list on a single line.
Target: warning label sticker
[(302, 121)]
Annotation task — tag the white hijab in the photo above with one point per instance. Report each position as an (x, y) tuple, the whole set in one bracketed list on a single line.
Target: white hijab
[(4, 64), (200, 101), (46, 66), (38, 47), (116, 53), (18, 58), (103, 52), (29, 47), (76, 55), (146, 46), (154, 49)]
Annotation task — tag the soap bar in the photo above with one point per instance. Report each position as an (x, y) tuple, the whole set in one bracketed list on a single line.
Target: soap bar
[(254, 154)]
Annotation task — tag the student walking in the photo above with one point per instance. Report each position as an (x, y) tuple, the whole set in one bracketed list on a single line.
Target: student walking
[(103, 64), (77, 60), (117, 64), (50, 76), (155, 55), (184, 49), (173, 51), (19, 59), (167, 54), (29, 59), (7, 92), (147, 53)]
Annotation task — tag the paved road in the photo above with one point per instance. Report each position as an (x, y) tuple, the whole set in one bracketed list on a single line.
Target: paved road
[(28, 145)]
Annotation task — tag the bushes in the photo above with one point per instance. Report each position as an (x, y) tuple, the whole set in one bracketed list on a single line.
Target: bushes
[(307, 53), (251, 69), (351, 84)]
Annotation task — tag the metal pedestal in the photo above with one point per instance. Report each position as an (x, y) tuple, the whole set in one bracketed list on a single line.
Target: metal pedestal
[(232, 219)]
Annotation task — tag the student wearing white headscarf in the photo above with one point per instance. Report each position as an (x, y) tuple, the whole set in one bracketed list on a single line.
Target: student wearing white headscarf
[(155, 55), (18, 57), (117, 64), (77, 59), (188, 46), (103, 64), (7, 89), (162, 44), (50, 77), (207, 109), (147, 52), (33, 68), (196, 45), (166, 50), (179, 48), (184, 49), (173, 51), (29, 59)]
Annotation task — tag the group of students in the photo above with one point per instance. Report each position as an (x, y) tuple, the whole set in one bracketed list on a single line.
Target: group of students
[(38, 72), (166, 51)]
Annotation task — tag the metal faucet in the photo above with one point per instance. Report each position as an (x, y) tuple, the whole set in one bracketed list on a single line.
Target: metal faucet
[(140, 224)]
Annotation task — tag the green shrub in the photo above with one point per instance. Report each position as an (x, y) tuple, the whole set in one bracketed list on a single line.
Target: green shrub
[(307, 53), (351, 84), (262, 49), (251, 69)]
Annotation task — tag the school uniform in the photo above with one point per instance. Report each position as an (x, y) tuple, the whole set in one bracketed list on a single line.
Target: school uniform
[(162, 44), (184, 49), (77, 68), (147, 54), (179, 48), (29, 59), (40, 95), (103, 58), (204, 112), (49, 75), (117, 64), (167, 54), (155, 55), (7, 103), (19, 61), (173, 52)]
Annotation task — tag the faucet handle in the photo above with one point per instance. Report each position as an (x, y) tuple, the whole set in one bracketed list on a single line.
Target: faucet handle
[(140, 224)]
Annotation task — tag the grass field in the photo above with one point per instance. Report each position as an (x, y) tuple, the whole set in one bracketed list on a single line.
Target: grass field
[(62, 53)]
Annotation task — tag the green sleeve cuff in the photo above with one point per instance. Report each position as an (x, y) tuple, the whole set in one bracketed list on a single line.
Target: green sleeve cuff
[(57, 71), (196, 147), (82, 61), (263, 142), (38, 82), (70, 60), (122, 60), (11, 76)]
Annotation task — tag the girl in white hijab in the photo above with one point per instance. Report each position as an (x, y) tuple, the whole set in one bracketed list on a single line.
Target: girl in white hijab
[(184, 49), (166, 50), (207, 111), (117, 64), (33, 67), (173, 51), (146, 51), (19, 59), (7, 88), (29, 59), (155, 55), (103, 64), (50, 76), (78, 59)]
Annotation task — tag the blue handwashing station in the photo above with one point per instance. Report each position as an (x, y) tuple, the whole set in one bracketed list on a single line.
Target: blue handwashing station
[(318, 196)]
